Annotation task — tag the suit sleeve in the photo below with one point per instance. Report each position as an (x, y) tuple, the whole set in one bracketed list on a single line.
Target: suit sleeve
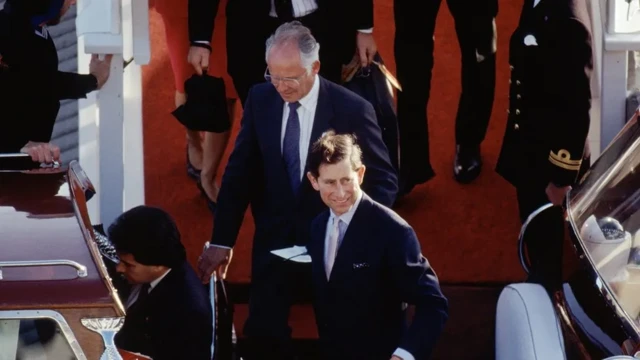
[(237, 181), (191, 339), (202, 16), (567, 86), (74, 86), (417, 284), (363, 14), (380, 180)]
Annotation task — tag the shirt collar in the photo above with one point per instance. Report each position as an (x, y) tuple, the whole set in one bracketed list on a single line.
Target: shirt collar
[(346, 217), (309, 100), (155, 282)]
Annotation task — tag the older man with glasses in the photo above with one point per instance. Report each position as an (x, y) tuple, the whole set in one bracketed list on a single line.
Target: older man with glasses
[(281, 120)]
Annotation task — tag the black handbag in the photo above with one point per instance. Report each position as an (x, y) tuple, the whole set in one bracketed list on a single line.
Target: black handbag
[(375, 83), (206, 106)]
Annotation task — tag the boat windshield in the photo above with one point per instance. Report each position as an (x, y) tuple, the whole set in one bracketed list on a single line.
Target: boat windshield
[(604, 211)]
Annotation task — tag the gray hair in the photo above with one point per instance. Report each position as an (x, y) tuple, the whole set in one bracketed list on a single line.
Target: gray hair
[(295, 33)]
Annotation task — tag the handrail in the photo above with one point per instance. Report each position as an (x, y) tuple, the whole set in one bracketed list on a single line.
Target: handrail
[(8, 155), (523, 229), (82, 270)]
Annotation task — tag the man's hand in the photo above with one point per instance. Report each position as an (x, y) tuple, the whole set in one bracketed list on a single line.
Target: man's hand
[(366, 47), (199, 58), (556, 194), (100, 68), (214, 259), (42, 152)]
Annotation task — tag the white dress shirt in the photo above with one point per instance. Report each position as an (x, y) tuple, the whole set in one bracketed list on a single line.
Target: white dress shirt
[(135, 291), (306, 114), (346, 218)]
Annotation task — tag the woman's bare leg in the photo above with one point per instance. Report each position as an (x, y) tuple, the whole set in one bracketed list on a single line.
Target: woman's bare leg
[(212, 152), (194, 138)]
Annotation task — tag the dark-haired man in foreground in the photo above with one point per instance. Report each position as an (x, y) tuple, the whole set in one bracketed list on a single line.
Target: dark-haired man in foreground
[(168, 311)]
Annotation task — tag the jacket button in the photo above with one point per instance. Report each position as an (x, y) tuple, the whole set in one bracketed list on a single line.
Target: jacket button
[(508, 112), (518, 82), (511, 67), (518, 97), (516, 127), (517, 112)]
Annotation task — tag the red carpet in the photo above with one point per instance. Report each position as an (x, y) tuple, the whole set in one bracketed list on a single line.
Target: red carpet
[(467, 232)]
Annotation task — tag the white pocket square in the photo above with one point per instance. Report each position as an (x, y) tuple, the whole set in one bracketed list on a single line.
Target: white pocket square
[(530, 40)]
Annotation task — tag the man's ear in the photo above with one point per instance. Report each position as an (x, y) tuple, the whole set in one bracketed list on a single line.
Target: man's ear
[(361, 172), (313, 181)]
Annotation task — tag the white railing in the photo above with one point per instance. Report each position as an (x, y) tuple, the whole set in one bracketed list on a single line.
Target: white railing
[(110, 121), (616, 32)]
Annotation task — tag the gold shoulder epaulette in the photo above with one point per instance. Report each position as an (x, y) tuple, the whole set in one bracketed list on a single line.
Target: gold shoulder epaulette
[(563, 159)]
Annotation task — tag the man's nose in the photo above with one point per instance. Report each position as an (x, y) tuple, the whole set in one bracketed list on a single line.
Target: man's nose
[(120, 268), (341, 191)]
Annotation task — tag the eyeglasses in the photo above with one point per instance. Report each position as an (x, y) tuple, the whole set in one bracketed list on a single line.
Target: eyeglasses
[(288, 81)]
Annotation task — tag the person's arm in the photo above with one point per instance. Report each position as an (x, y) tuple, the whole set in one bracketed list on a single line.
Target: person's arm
[(202, 16), (190, 338), (416, 283), (363, 15), (74, 86), (381, 182), (567, 66), (237, 181)]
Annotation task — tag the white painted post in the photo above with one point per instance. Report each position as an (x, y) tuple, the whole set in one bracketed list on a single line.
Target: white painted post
[(110, 130)]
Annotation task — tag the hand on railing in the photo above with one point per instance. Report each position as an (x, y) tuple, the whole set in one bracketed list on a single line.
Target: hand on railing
[(42, 152)]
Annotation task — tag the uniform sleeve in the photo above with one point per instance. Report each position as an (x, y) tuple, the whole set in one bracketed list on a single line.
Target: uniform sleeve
[(567, 98)]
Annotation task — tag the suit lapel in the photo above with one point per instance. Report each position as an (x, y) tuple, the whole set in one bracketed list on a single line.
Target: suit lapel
[(322, 121), (316, 248), (354, 236), (273, 137)]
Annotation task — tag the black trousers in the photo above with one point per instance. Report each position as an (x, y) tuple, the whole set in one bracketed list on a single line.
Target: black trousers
[(246, 48), (543, 238), (414, 45), (274, 289)]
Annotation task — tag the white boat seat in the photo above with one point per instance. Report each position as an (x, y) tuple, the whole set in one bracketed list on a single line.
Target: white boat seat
[(527, 327)]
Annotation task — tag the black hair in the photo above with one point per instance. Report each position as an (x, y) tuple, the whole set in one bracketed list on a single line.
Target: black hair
[(150, 235)]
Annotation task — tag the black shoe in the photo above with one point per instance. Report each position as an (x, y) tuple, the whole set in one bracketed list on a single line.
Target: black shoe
[(212, 205), (468, 164)]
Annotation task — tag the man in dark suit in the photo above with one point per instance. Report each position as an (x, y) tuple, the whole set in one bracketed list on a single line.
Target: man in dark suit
[(31, 86), (266, 169), (366, 265), (544, 147), (342, 27), (414, 45), (168, 311)]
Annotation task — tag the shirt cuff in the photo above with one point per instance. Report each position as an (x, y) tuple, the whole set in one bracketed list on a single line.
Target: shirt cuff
[(366, 31), (203, 42), (221, 246), (403, 354)]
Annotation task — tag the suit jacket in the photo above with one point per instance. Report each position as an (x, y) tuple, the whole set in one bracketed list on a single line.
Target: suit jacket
[(355, 14), (379, 266), (256, 173), (173, 322), (31, 86), (550, 94)]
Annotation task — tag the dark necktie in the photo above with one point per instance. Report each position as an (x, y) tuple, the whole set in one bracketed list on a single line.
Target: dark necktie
[(291, 146), (284, 9), (142, 295)]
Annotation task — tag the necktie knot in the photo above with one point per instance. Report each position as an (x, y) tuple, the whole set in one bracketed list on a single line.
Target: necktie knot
[(293, 106)]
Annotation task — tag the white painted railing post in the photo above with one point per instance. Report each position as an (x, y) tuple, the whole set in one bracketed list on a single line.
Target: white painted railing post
[(110, 120)]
